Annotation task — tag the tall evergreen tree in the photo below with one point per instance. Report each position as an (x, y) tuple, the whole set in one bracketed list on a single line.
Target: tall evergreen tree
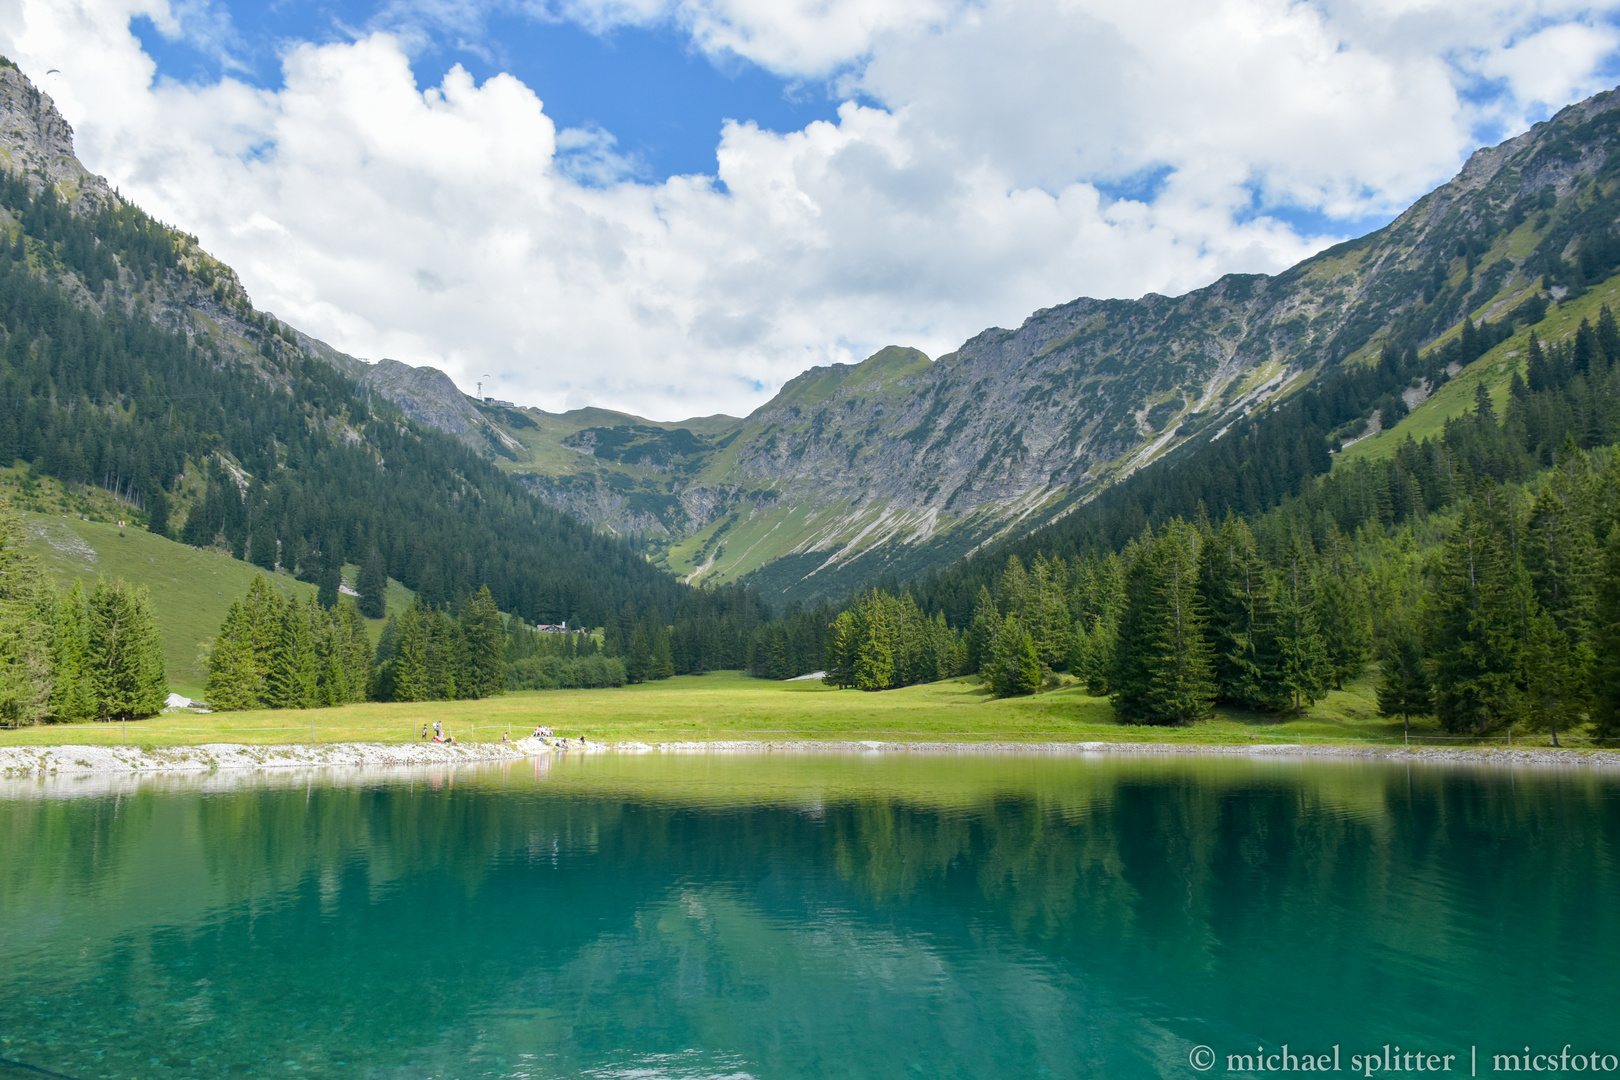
[(157, 512), (485, 639), (373, 586), (1603, 659), (240, 660), (1237, 587), (1018, 663), (874, 660), (1554, 696), (1481, 603), (25, 670), (1404, 689), (128, 670), (1303, 668), (292, 676), (72, 689), (1162, 668)]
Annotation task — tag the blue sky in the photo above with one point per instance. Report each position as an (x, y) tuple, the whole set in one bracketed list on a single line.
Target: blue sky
[(905, 171), (661, 99)]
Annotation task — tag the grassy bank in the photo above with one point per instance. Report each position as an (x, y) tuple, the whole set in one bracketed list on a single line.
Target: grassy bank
[(727, 705)]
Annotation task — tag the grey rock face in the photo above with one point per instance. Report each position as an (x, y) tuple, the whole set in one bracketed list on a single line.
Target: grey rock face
[(425, 395), (35, 140)]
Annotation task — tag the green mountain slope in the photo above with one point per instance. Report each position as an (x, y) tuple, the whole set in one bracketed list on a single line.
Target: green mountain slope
[(900, 463), (134, 363)]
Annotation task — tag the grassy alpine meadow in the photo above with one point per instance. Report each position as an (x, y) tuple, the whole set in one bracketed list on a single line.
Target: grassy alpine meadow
[(731, 706)]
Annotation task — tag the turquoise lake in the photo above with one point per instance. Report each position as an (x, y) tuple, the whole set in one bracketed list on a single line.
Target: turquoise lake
[(881, 916)]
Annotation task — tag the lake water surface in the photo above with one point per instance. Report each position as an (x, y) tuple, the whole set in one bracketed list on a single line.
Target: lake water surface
[(883, 916)]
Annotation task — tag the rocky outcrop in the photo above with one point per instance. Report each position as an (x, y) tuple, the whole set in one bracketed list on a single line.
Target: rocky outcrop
[(425, 395), (36, 141)]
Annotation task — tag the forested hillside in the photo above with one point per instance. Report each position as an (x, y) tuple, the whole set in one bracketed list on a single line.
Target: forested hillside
[(132, 361), (1480, 565)]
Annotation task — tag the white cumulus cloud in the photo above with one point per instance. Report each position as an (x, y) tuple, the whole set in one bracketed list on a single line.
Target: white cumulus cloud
[(965, 182)]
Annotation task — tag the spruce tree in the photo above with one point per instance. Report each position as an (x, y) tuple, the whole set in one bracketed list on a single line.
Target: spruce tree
[(72, 690), (1018, 662), (1237, 587), (1554, 695), (262, 542), (25, 662), (409, 667), (128, 671), (1404, 689), (292, 676), (157, 512), (1303, 668), (354, 652), (1481, 603), (1343, 610), (874, 659), (982, 633), (373, 586), (1603, 658), (239, 663), (1162, 668), (485, 638), (843, 646)]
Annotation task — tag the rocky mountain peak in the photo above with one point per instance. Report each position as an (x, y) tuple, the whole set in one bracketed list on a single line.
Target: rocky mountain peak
[(36, 141)]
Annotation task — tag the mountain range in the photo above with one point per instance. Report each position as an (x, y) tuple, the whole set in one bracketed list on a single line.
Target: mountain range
[(902, 462)]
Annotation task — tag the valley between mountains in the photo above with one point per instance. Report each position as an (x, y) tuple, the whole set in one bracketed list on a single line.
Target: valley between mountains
[(901, 463), (905, 463)]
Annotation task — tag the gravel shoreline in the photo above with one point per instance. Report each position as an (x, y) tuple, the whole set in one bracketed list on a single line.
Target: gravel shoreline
[(22, 762)]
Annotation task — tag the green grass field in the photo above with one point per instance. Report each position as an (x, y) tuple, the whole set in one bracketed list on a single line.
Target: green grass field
[(729, 705), (191, 587)]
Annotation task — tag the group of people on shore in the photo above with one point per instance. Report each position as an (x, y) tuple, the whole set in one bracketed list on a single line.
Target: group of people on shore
[(440, 735)]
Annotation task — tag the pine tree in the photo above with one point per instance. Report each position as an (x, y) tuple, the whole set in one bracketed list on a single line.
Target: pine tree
[(1554, 696), (239, 662), (411, 662), (353, 649), (157, 512), (373, 586), (1053, 624), (262, 544), (72, 690), (843, 645), (1480, 603), (1404, 689), (328, 584), (485, 639), (1603, 658), (25, 671), (1162, 667), (1559, 550), (1237, 587), (1303, 668), (292, 675), (1018, 663), (982, 633), (663, 658), (874, 659), (1343, 614), (127, 667)]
